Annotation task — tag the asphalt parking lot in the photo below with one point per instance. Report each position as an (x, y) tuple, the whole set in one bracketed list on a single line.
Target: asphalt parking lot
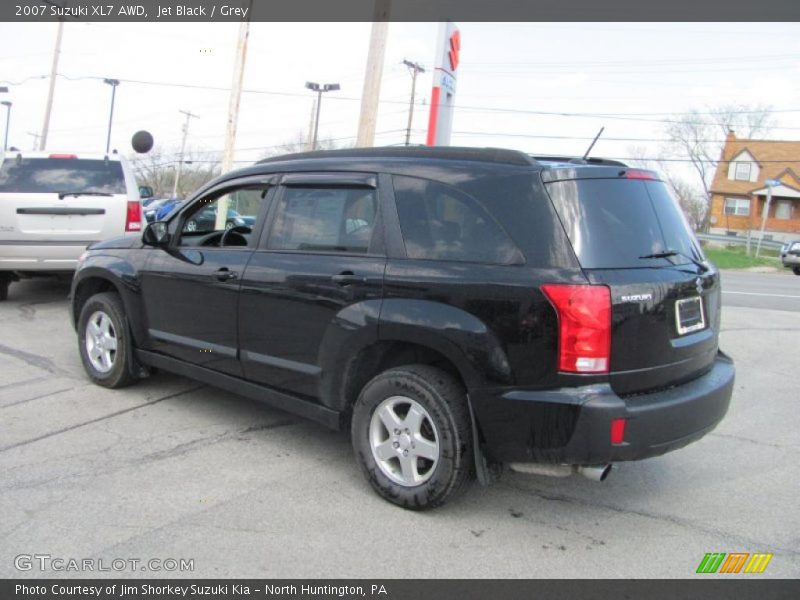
[(173, 469)]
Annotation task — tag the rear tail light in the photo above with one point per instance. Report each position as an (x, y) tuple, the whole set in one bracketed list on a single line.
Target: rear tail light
[(640, 174), (584, 324), (133, 218), (63, 156)]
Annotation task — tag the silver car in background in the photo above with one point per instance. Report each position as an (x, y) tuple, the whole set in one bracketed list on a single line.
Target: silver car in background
[(52, 206)]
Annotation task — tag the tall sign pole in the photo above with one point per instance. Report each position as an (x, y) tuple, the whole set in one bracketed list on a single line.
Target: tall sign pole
[(445, 73)]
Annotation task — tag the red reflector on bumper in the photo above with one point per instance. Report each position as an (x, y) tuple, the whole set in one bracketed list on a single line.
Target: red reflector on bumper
[(617, 431)]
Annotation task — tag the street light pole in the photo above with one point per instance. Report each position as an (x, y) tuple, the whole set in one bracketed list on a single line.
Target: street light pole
[(416, 69), (7, 104), (319, 88), (113, 83)]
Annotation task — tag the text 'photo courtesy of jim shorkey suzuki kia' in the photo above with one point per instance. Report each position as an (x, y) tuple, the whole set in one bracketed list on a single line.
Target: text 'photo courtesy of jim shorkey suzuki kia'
[(457, 309)]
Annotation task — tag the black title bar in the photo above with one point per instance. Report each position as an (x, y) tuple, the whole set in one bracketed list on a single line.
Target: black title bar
[(399, 10), (737, 588)]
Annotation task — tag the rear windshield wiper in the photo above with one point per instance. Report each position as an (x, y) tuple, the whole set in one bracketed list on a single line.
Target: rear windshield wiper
[(62, 195), (668, 253)]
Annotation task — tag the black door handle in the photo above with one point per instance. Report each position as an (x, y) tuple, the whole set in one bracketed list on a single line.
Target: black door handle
[(348, 278), (225, 274)]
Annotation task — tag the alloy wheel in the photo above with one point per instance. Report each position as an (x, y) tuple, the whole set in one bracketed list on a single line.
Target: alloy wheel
[(404, 441)]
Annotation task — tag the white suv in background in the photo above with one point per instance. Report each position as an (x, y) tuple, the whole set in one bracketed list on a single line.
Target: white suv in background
[(54, 205)]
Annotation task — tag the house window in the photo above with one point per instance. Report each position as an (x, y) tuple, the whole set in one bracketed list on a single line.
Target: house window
[(737, 206), (783, 209), (742, 171)]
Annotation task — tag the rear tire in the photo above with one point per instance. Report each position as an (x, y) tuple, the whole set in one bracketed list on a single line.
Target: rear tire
[(796, 270), (5, 281), (103, 341), (412, 436)]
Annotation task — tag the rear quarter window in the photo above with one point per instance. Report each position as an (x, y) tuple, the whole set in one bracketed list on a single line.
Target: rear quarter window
[(439, 222), (54, 175), (611, 223)]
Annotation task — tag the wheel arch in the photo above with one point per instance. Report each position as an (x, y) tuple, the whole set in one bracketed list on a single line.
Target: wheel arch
[(109, 274), (88, 286)]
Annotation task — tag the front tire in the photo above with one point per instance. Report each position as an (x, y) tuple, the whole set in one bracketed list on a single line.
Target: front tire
[(411, 433), (103, 341), (796, 270)]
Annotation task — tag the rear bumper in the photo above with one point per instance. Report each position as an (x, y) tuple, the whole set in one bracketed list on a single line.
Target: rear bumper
[(790, 260), (572, 426), (33, 256)]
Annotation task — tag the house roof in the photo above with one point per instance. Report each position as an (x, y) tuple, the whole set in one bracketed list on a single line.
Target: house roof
[(777, 159)]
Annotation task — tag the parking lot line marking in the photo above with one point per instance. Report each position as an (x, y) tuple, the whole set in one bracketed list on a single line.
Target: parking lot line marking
[(760, 294), (98, 419)]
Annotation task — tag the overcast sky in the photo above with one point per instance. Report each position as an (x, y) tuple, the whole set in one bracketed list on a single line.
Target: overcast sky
[(641, 71)]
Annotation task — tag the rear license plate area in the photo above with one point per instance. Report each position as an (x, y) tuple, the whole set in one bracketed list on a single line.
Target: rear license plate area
[(689, 315)]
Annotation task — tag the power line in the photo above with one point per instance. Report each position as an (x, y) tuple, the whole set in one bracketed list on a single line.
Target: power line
[(614, 116), (571, 137), (649, 61)]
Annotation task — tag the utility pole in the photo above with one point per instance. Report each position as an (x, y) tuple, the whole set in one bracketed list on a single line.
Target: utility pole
[(416, 69), (233, 113), (320, 88), (7, 104), (35, 137), (113, 83), (49, 106), (189, 115), (370, 96)]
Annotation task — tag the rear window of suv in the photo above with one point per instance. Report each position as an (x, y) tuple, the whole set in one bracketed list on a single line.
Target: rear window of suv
[(53, 175), (613, 222)]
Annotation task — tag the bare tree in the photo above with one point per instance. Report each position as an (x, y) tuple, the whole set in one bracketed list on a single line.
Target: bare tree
[(748, 121), (690, 200), (299, 143), (158, 170), (695, 135), (688, 195)]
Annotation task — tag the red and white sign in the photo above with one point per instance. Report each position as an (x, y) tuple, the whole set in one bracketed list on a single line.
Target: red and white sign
[(445, 72)]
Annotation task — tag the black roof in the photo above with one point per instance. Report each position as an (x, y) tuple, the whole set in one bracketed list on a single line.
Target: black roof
[(455, 153), (493, 155)]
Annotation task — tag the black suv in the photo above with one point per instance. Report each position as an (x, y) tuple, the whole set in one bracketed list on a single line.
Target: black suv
[(456, 308)]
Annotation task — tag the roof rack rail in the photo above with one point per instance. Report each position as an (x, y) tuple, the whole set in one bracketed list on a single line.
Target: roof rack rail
[(580, 161), (494, 155)]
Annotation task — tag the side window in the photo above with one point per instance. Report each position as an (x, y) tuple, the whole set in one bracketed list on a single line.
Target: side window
[(241, 205), (325, 220), (439, 222)]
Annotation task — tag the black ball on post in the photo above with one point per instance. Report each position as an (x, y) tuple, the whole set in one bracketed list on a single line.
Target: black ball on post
[(142, 142)]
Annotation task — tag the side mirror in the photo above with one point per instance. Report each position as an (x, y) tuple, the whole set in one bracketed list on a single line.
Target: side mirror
[(145, 191), (156, 234)]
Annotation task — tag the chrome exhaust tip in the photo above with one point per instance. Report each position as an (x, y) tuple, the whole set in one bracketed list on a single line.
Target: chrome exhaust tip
[(595, 472)]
